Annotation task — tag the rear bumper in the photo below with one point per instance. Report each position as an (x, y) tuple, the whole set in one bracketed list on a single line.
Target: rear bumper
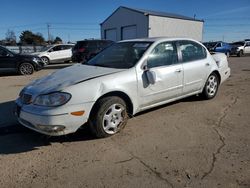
[(225, 73)]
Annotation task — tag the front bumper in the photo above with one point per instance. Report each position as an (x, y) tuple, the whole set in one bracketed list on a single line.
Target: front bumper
[(52, 122)]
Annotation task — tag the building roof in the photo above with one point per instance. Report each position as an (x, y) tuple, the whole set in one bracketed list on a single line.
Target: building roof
[(155, 13)]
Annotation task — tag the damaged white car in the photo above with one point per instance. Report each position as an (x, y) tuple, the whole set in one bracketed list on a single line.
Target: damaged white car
[(124, 79)]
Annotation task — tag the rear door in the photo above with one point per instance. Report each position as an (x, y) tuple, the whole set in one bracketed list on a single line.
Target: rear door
[(66, 51), (196, 66), (247, 48)]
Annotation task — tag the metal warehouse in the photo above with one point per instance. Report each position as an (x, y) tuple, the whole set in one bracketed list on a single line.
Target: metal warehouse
[(128, 23)]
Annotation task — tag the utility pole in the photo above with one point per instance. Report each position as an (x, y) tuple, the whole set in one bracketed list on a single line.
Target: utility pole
[(48, 27), (68, 38)]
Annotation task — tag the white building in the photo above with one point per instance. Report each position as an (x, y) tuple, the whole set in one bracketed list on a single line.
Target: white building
[(128, 23)]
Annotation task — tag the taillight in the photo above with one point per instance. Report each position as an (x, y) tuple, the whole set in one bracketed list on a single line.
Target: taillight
[(81, 49)]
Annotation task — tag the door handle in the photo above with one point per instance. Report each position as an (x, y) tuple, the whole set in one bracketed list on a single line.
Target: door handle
[(207, 64), (178, 70)]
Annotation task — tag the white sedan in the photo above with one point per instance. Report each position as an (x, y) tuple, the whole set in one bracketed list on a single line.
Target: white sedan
[(124, 79)]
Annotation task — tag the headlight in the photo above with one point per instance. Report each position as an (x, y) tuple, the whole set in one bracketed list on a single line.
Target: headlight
[(52, 99), (36, 59)]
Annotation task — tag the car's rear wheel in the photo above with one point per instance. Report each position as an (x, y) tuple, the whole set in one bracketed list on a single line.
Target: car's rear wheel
[(26, 69), (211, 87), (45, 60), (108, 117)]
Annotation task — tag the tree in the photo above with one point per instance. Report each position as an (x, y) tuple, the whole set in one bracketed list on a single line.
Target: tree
[(57, 40), (10, 37), (27, 37)]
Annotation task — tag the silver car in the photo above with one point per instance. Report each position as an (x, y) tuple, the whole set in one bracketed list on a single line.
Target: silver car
[(124, 79)]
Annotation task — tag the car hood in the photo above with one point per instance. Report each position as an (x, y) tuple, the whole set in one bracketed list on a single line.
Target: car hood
[(67, 77), (36, 53), (26, 56)]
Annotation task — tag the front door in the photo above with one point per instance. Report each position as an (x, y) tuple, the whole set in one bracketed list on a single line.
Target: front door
[(7, 60), (163, 62), (55, 53)]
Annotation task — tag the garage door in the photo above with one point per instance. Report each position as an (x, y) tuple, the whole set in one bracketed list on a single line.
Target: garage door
[(129, 32), (110, 34)]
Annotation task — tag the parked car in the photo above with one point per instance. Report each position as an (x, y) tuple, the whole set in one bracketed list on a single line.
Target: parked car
[(55, 53), (86, 49), (219, 46), (241, 48), (126, 78), (22, 64)]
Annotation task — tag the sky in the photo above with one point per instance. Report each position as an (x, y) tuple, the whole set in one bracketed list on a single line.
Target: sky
[(227, 20)]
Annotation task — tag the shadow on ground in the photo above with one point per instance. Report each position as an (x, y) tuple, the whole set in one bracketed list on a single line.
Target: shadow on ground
[(7, 116), (17, 139)]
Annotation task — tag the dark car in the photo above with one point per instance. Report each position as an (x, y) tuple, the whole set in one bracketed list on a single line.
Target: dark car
[(219, 46), (86, 49), (22, 64)]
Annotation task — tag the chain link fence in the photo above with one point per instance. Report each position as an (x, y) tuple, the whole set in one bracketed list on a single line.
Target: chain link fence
[(24, 49)]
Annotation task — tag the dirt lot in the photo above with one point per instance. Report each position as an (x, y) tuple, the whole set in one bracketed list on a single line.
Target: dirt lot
[(189, 143)]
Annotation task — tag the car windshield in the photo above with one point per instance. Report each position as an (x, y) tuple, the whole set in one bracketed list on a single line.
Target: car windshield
[(45, 48), (121, 55)]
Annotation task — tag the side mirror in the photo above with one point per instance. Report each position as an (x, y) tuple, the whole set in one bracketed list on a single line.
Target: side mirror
[(150, 75)]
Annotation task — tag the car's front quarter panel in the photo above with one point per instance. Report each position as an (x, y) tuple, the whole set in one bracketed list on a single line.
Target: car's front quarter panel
[(91, 90)]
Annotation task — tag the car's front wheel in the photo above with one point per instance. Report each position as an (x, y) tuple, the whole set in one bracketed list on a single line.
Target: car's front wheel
[(45, 60), (108, 117), (211, 87), (26, 69), (240, 54)]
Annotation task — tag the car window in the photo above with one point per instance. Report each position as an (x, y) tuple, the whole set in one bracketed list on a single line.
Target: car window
[(218, 45), (104, 44), (248, 44), (163, 54), (4, 53), (57, 48), (122, 55), (66, 47), (192, 51), (92, 44)]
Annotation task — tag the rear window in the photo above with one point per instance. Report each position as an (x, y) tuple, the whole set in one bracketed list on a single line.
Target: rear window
[(80, 44), (92, 44)]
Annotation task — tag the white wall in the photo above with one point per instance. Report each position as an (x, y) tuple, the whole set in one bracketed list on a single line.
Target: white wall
[(124, 17), (172, 27)]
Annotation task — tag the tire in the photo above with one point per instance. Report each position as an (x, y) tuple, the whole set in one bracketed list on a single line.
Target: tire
[(240, 54), (211, 87), (108, 117), (26, 69), (45, 60)]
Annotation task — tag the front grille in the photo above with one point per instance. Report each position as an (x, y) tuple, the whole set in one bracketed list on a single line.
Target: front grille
[(26, 98)]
